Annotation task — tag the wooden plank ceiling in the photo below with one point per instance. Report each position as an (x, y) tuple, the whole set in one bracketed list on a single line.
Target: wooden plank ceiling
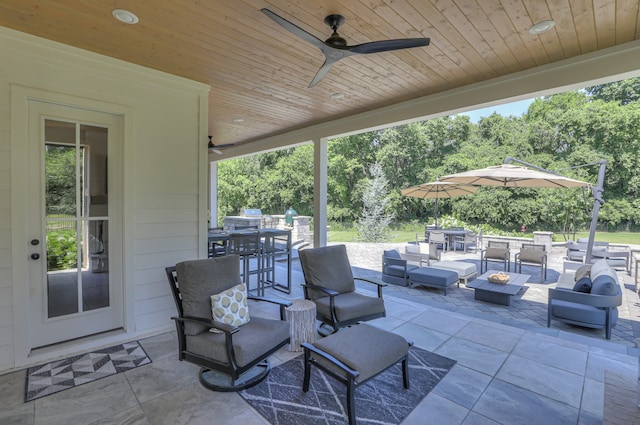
[(259, 72)]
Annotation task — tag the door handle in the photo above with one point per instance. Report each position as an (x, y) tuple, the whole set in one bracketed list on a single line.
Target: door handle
[(35, 256)]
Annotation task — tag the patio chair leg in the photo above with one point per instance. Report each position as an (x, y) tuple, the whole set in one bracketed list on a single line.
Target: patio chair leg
[(405, 372), (351, 402)]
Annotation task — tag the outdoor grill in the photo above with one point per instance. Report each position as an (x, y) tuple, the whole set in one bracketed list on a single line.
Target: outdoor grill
[(251, 212), (247, 218)]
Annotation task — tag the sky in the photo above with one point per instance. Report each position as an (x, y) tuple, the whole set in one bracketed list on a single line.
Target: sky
[(515, 108)]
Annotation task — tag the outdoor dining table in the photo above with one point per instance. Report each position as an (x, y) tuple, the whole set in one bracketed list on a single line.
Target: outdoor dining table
[(274, 243), (449, 234)]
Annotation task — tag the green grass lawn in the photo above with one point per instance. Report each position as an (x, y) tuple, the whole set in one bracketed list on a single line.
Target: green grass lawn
[(629, 238), (632, 238)]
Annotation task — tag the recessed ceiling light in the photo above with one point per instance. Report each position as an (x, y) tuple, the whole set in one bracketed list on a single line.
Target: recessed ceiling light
[(542, 26), (238, 120), (336, 96), (125, 16)]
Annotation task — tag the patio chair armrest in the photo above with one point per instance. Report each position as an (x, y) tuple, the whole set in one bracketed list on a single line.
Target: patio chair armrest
[(229, 329), (380, 285), (372, 281), (395, 261), (600, 301), (282, 303), (326, 291)]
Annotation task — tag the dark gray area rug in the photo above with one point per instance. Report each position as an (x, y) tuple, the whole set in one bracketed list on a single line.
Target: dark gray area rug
[(77, 370), (381, 400)]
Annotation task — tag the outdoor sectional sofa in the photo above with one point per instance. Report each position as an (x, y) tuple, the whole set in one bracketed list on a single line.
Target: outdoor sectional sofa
[(590, 301)]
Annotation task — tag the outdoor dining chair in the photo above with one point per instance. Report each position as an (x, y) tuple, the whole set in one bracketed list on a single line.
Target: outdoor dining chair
[(438, 238), (496, 251), (532, 255)]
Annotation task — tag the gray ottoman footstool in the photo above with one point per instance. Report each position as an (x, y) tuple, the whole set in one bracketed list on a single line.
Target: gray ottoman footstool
[(465, 270), (354, 355), (436, 278)]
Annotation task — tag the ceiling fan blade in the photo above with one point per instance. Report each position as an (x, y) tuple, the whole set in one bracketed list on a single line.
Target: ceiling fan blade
[(322, 72), (294, 29), (388, 45)]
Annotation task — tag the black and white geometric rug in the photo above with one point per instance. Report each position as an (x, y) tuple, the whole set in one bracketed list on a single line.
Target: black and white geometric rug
[(64, 374), (382, 400)]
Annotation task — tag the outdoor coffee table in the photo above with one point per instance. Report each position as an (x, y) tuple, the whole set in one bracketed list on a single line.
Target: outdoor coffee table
[(495, 292)]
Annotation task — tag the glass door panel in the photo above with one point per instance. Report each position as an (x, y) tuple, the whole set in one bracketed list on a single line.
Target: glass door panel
[(76, 218)]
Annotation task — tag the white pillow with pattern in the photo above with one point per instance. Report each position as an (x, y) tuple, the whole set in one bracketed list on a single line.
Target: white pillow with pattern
[(230, 306)]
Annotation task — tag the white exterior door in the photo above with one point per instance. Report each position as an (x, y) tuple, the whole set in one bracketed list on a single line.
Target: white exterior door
[(75, 210)]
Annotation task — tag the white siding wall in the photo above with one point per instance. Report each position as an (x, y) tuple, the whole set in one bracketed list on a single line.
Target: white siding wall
[(165, 180), (6, 282)]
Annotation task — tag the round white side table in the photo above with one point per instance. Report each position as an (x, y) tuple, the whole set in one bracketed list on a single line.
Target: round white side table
[(301, 315)]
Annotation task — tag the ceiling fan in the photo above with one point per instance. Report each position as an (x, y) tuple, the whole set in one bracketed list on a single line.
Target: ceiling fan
[(216, 148), (336, 48)]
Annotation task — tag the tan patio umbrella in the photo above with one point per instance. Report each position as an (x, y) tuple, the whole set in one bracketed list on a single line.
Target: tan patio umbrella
[(438, 189), (509, 175)]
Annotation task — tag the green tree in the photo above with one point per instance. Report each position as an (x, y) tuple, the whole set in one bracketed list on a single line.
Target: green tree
[(373, 225), (60, 187), (623, 92)]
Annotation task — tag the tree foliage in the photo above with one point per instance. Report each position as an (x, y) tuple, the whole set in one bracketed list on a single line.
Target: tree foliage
[(556, 133), (60, 185), (373, 225)]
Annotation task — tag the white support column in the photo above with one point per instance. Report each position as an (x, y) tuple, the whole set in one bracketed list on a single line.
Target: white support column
[(320, 166), (213, 193)]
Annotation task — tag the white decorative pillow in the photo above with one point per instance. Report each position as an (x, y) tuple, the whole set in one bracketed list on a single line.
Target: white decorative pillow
[(230, 306)]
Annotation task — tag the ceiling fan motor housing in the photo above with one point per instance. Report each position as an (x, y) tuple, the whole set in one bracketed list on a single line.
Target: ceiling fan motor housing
[(334, 21)]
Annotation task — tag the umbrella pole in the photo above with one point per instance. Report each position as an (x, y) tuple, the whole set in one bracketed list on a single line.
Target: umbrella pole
[(436, 212), (597, 195)]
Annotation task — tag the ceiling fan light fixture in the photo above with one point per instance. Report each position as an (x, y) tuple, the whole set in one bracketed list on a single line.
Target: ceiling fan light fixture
[(336, 96), (542, 26), (125, 16)]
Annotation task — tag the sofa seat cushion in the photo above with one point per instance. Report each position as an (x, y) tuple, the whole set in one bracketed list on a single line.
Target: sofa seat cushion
[(460, 267), (398, 271), (580, 313), (249, 343), (433, 277), (350, 305)]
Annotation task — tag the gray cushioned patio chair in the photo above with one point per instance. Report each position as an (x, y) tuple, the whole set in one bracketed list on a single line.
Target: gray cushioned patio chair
[(236, 357), (532, 255), (496, 251), (330, 284), (395, 268)]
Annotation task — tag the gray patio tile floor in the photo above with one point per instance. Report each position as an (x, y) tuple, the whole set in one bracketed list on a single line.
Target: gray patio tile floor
[(511, 369)]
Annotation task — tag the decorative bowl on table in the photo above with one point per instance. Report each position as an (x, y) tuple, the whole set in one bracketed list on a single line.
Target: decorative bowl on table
[(500, 277)]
